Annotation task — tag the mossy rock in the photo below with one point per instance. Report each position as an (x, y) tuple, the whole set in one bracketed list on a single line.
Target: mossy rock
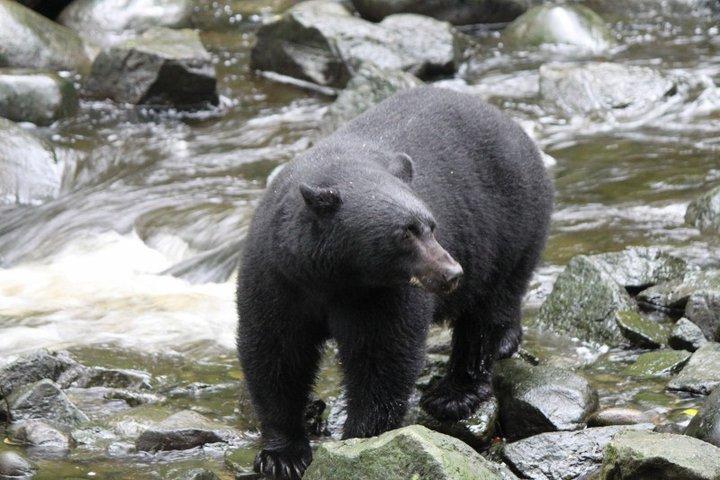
[(701, 375), (641, 331), (658, 363)]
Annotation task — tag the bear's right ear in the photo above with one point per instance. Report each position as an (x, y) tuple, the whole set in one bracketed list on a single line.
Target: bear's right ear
[(402, 166), (320, 200)]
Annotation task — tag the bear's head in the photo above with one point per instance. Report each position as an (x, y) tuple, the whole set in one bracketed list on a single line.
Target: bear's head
[(368, 227)]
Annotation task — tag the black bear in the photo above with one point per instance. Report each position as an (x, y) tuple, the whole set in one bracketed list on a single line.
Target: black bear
[(431, 189)]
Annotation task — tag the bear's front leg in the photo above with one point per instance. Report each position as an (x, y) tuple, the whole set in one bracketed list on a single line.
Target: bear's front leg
[(381, 347), (279, 350)]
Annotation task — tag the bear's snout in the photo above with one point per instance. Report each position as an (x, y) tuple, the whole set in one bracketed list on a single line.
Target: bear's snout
[(438, 271)]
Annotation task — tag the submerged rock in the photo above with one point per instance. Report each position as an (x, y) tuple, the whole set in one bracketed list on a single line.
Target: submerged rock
[(163, 67), (29, 173), (40, 434), (476, 430), (27, 39), (457, 12), (537, 399), (369, 86), (640, 331), (33, 367), (319, 41), (603, 88), (636, 455), (616, 416), (686, 335), (562, 455), (704, 212), (593, 288), (106, 22), (571, 26), (15, 466), (658, 363), (706, 424), (44, 400), (702, 373), (184, 430), (37, 97), (86, 377), (412, 452)]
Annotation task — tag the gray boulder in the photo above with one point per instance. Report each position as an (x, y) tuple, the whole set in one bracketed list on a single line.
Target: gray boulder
[(538, 399), (184, 430), (702, 373), (706, 424), (704, 212), (457, 12), (640, 331), (29, 40), (603, 89), (107, 22), (37, 97), (673, 296), (686, 335), (369, 86), (14, 466), (86, 377), (592, 289), (40, 434), (163, 67), (573, 27), (43, 400), (34, 367), (562, 455), (319, 41), (639, 455), (29, 172), (703, 309)]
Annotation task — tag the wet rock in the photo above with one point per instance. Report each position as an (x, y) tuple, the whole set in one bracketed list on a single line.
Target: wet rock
[(433, 370), (40, 98), (658, 363), (194, 474), (538, 399), (240, 461), (456, 12), (703, 309), (603, 88), (571, 26), (702, 372), (476, 431), (616, 416), (163, 67), (40, 434), (672, 296), (29, 40), (562, 455), (640, 331), (706, 424), (439, 340), (410, 452), (319, 41), (106, 22), (184, 430), (643, 455), (368, 87), (29, 173), (15, 466), (704, 212), (686, 335), (133, 399), (44, 400), (591, 289), (86, 377), (32, 368)]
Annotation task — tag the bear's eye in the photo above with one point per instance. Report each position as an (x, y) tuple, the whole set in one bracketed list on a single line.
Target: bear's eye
[(412, 230)]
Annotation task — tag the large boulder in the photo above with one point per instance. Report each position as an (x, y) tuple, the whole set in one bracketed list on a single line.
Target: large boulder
[(603, 88), (659, 363), (43, 400), (163, 67), (704, 212), (14, 466), (27, 39), (686, 335), (319, 41), (37, 97), (562, 455), (412, 452), (106, 22), (703, 309), (573, 27), (538, 399), (40, 434), (34, 367), (592, 289), (702, 373), (641, 455), (369, 86), (706, 424), (457, 12), (29, 172)]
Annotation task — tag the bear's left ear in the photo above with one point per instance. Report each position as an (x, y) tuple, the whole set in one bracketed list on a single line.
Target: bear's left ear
[(320, 199), (401, 165)]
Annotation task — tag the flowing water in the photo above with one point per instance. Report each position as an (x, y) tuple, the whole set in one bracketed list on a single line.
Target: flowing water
[(133, 264)]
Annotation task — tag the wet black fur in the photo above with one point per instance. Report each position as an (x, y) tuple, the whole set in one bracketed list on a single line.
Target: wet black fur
[(340, 271)]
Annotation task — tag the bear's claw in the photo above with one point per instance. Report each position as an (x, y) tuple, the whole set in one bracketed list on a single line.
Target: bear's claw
[(449, 403), (287, 463)]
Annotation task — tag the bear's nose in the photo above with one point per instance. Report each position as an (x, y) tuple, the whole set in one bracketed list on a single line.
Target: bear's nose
[(453, 273)]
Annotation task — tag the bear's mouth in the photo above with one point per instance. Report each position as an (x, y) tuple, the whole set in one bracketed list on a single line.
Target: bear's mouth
[(435, 287)]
